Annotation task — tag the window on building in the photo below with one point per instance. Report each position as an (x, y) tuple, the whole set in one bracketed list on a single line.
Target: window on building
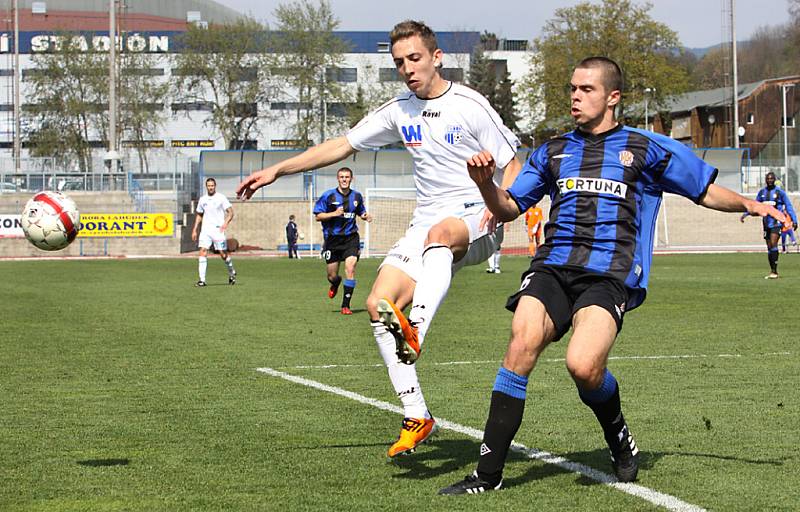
[(789, 122), (389, 75), (289, 105), (384, 47), (341, 75), (6, 72), (142, 72), (195, 106), (245, 109), (751, 118), (338, 109), (147, 107), (248, 75), (452, 74)]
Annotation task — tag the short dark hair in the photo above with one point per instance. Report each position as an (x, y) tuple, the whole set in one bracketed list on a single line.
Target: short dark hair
[(770, 173), (612, 74), (212, 180), (345, 169), (408, 28), (291, 217)]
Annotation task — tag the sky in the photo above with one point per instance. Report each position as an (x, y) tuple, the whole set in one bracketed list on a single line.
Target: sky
[(697, 22)]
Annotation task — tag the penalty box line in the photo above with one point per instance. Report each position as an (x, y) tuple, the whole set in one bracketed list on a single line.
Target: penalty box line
[(650, 495)]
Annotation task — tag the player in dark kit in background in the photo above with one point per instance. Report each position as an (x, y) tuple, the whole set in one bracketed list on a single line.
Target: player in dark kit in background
[(774, 196), (605, 181), (291, 237), (337, 209)]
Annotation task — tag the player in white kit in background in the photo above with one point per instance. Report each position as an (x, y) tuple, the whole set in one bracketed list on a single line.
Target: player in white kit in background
[(214, 214), (441, 124)]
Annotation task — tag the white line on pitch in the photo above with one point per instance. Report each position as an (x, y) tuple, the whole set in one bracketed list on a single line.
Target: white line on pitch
[(548, 360), (657, 498)]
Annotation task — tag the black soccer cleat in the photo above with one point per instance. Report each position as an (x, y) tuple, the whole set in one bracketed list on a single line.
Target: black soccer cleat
[(625, 456), (472, 484), (200, 283), (232, 278)]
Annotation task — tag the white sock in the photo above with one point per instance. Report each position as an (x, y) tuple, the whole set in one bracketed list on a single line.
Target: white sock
[(202, 264), (403, 376), (431, 289), (496, 260), (229, 264)]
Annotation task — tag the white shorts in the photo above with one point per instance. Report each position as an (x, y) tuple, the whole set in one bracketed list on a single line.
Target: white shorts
[(215, 238), (406, 254)]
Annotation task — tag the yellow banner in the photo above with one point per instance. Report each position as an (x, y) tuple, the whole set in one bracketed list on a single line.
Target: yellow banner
[(126, 224)]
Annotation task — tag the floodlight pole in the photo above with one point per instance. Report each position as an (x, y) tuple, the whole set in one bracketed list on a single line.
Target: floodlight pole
[(17, 100), (647, 92), (735, 78), (112, 88), (785, 176)]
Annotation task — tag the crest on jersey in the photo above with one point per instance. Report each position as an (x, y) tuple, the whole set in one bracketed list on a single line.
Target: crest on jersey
[(454, 134), (626, 158)]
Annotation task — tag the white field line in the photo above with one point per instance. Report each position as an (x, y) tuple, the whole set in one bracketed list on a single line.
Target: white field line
[(551, 360), (656, 498)]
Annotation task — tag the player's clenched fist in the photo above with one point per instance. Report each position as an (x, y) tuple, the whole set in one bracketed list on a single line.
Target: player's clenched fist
[(481, 167)]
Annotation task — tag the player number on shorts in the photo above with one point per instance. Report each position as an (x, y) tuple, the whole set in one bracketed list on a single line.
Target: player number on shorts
[(526, 281), (326, 255)]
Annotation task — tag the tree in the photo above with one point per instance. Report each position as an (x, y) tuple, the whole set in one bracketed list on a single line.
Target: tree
[(310, 56), (225, 70), (504, 103), (141, 104), (482, 76), (618, 29), (71, 87)]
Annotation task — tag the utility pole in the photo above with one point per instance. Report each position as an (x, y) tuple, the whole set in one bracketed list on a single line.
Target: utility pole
[(785, 177), (112, 156)]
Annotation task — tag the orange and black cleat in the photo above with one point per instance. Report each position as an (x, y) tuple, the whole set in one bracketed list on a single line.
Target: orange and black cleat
[(414, 432), (405, 334)]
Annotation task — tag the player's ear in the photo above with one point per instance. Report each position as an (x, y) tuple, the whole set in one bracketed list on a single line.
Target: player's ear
[(613, 98)]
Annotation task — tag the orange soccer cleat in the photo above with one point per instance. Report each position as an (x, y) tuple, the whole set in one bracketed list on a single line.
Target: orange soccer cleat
[(346, 311), (414, 432), (405, 334)]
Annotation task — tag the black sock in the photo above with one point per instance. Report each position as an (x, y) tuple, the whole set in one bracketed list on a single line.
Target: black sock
[(505, 417), (335, 282), (773, 260), (609, 414), (348, 294)]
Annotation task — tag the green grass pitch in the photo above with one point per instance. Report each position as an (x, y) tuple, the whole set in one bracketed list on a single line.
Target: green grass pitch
[(124, 387)]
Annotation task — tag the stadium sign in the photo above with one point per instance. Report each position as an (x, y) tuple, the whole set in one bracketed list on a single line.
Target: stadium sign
[(102, 225), (134, 42), (11, 226)]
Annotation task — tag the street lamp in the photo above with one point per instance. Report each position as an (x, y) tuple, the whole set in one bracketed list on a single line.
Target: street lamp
[(784, 87), (647, 92)]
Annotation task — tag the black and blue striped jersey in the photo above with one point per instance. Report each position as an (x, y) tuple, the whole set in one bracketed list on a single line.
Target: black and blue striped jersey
[(776, 197), (353, 205), (606, 191)]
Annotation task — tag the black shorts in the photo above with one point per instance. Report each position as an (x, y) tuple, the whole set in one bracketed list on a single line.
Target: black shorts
[(776, 230), (564, 291), (339, 248)]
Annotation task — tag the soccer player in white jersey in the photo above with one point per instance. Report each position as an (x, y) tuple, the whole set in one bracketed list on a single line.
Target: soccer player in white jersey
[(440, 123), (214, 214)]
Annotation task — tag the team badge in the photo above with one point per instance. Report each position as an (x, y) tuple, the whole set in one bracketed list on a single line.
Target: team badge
[(454, 134), (626, 158)]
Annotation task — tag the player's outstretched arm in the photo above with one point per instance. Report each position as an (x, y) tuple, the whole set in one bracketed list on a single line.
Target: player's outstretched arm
[(329, 152), (726, 200), (481, 167)]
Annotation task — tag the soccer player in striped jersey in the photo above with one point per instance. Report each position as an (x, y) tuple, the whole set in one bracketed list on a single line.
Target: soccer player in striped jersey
[(441, 125), (337, 210), (775, 196), (605, 182)]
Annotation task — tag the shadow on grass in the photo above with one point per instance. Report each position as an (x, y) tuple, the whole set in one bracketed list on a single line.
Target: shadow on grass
[(99, 463)]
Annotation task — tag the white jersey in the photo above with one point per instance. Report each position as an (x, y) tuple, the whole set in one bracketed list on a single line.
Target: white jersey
[(213, 210), (441, 134)]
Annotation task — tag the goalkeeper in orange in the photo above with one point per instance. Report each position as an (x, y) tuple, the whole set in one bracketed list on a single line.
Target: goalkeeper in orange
[(534, 218)]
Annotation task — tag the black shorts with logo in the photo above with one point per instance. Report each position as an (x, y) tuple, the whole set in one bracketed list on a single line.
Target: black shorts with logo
[(564, 291), (341, 247)]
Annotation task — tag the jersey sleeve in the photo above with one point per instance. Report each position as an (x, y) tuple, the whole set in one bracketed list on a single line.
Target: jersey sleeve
[(376, 130), (676, 169), (201, 208), (321, 206), (494, 136), (361, 209), (531, 184), (226, 203)]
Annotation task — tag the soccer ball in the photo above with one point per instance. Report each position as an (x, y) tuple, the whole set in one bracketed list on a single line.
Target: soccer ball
[(50, 221), (301, 236)]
